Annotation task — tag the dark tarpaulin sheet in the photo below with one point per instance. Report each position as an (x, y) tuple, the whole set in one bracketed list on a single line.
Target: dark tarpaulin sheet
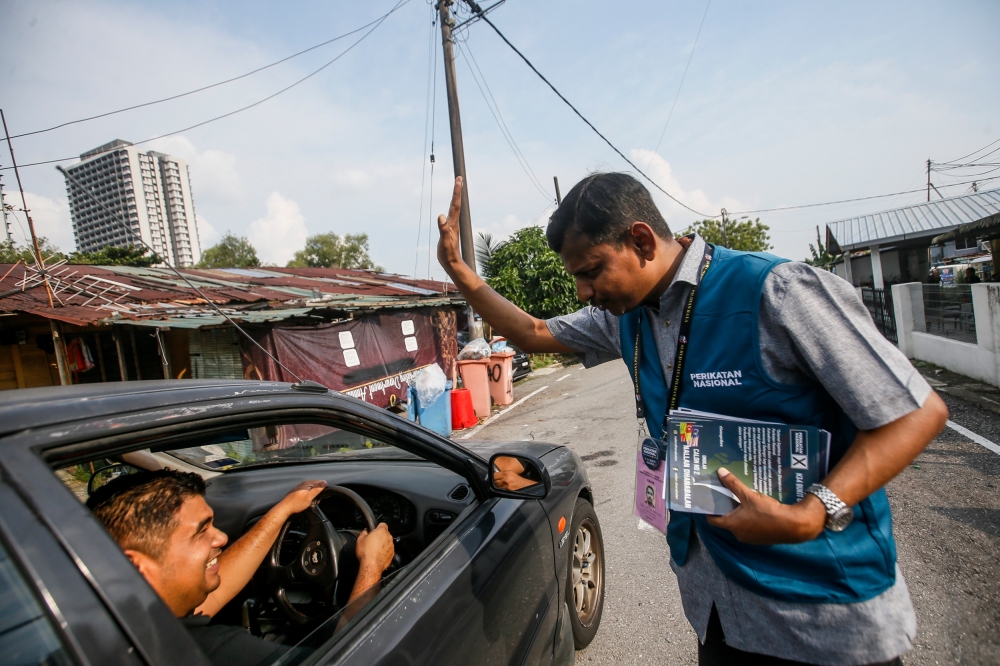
[(373, 357)]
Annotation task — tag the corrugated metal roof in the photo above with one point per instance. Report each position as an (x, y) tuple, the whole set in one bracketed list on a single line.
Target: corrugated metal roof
[(158, 297), (926, 219)]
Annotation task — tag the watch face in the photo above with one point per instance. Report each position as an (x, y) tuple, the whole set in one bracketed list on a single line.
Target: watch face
[(840, 520)]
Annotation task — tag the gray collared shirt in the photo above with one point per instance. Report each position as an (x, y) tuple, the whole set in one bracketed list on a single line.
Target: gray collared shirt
[(813, 327)]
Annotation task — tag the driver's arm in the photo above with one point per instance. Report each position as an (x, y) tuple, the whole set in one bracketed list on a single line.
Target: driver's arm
[(238, 563), (374, 551)]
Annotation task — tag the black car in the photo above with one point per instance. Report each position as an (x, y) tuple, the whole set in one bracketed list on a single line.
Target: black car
[(482, 575)]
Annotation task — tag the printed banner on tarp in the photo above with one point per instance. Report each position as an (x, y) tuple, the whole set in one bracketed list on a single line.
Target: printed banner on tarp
[(373, 357)]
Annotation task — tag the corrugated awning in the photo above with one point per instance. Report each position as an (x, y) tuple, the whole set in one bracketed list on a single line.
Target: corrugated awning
[(919, 221)]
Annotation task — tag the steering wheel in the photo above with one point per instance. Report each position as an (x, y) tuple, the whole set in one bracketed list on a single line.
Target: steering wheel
[(316, 561)]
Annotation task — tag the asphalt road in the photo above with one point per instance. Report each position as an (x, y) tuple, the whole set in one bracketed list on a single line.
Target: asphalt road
[(946, 510)]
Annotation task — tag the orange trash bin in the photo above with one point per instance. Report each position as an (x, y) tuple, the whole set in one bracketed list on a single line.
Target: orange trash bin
[(502, 377), (475, 377)]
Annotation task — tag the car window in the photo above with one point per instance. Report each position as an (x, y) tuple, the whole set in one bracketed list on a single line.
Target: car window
[(244, 447), (26, 636)]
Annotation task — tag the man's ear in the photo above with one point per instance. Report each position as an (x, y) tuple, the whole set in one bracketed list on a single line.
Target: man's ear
[(146, 565), (643, 239)]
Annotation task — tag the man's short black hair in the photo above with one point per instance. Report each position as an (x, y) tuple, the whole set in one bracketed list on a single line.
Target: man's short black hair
[(603, 207), (140, 510)]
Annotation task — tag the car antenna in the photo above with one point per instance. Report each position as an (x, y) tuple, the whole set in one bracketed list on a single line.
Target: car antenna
[(302, 383)]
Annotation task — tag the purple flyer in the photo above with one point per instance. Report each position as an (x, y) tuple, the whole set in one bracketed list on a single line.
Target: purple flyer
[(650, 476)]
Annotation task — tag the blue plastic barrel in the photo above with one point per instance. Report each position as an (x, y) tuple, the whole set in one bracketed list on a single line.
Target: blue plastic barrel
[(435, 416)]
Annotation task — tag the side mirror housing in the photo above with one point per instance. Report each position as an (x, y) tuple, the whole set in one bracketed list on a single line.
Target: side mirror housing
[(519, 476)]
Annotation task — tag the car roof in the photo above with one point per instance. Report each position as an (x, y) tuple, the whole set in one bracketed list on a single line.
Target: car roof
[(32, 408)]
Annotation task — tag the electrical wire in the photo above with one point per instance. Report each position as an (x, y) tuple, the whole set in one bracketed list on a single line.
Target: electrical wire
[(973, 152), (521, 160), (378, 23), (679, 87), (840, 201), (589, 124), (430, 203), (203, 88), (431, 52), (198, 291)]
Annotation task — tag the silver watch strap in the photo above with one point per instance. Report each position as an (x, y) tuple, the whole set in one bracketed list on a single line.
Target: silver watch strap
[(829, 499)]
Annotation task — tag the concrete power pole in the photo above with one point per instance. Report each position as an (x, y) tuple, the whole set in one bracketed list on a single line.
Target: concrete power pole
[(455, 122)]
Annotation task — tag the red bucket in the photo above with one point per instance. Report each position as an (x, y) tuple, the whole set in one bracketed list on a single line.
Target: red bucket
[(462, 414)]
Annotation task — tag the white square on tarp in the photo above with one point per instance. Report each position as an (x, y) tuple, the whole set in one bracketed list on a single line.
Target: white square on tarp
[(408, 327), (351, 357), (346, 340), (411, 343)]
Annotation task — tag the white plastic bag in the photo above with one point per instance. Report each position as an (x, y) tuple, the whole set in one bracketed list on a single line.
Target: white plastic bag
[(430, 384), (475, 350)]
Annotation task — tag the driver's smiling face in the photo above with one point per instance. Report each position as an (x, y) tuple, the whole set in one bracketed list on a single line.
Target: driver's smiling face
[(189, 566)]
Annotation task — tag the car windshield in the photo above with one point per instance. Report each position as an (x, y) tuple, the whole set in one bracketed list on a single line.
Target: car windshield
[(245, 447)]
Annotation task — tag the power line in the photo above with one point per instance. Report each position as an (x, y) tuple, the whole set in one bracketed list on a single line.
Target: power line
[(498, 118), (840, 201), (378, 23), (203, 88), (475, 7), (972, 153), (431, 52), (679, 87)]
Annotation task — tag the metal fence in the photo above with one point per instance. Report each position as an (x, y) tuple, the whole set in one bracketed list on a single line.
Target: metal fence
[(948, 311), (879, 304)]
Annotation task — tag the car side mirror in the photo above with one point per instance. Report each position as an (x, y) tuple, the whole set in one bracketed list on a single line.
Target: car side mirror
[(105, 474), (519, 476)]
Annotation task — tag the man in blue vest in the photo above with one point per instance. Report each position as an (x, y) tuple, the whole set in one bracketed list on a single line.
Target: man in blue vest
[(814, 582)]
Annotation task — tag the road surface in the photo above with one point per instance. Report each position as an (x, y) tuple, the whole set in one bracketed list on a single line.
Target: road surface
[(946, 510)]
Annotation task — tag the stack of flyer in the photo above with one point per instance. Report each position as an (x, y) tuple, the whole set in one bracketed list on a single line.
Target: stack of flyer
[(681, 473)]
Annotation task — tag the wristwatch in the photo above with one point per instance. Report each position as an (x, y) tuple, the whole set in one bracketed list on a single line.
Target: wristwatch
[(838, 514)]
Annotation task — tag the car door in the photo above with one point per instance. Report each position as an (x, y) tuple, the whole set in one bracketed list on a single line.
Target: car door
[(487, 594)]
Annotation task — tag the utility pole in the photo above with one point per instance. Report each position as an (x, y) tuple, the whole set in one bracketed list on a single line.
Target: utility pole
[(3, 205), (725, 228), (555, 179), (928, 180), (31, 225), (455, 122)]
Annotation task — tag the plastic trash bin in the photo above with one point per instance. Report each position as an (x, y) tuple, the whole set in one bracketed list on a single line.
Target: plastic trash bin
[(475, 377), (462, 413), (501, 374), (435, 416)]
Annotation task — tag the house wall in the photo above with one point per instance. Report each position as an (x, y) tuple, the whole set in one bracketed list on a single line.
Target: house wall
[(980, 361)]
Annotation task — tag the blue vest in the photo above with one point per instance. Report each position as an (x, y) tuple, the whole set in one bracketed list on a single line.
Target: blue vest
[(845, 567)]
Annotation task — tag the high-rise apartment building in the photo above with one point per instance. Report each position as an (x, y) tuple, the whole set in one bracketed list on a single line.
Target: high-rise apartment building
[(150, 190)]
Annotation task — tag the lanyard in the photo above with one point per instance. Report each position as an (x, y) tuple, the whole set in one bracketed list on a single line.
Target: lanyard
[(682, 342)]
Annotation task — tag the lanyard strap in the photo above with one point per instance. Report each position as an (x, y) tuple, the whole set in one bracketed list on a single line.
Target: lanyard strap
[(682, 342)]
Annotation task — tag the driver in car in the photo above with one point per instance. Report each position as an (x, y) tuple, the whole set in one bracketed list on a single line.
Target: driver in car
[(164, 525)]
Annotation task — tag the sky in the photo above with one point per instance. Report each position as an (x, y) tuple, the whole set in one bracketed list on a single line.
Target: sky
[(783, 103)]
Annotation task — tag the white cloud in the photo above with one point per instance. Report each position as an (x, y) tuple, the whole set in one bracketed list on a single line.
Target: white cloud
[(208, 235), (660, 171), (281, 232), (51, 218), (213, 172)]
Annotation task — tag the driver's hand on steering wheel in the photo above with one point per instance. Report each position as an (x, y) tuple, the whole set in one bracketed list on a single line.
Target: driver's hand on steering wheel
[(300, 497), (375, 550)]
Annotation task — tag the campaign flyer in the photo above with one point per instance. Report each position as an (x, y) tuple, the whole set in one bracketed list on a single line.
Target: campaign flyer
[(650, 477), (777, 460)]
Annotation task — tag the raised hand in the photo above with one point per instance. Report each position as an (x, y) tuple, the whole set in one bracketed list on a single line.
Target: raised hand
[(448, 251)]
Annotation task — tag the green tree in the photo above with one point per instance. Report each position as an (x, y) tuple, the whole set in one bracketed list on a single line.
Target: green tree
[(133, 255), (486, 246), (332, 251), (820, 257), (230, 252), (526, 272), (11, 252), (738, 234)]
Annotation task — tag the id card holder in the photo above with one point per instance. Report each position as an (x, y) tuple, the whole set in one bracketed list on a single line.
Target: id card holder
[(650, 482)]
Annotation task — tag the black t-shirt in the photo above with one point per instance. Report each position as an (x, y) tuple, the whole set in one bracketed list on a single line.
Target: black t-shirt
[(234, 646)]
